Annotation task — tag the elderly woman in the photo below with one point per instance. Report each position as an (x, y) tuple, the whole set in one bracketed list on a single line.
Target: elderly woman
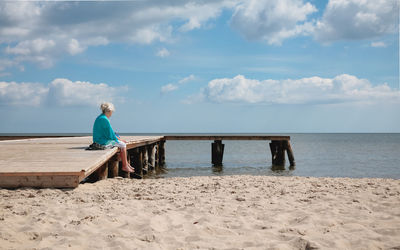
[(103, 134)]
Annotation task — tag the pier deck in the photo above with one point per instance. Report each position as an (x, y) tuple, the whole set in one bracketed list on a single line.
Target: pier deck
[(63, 162), (55, 162)]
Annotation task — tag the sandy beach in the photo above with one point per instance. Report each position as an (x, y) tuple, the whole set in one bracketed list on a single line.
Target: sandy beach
[(229, 212)]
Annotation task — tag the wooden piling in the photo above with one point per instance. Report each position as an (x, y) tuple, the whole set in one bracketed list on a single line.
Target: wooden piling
[(217, 152), (145, 160), (151, 151), (162, 153), (156, 157), (137, 161), (102, 172), (289, 152), (113, 167), (278, 153)]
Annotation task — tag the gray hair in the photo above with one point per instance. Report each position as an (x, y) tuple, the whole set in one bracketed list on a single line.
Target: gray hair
[(107, 107)]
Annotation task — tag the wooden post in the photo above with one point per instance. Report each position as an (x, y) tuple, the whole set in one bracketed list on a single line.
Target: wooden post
[(162, 153), (137, 161), (289, 152), (145, 160), (278, 153), (102, 172), (151, 151), (217, 152), (156, 157), (113, 167)]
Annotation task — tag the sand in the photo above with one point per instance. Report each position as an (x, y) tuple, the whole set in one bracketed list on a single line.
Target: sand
[(229, 212)]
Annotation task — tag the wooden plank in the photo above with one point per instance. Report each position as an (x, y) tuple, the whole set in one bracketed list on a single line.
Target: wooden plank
[(40, 181), (141, 143), (227, 137), (46, 162)]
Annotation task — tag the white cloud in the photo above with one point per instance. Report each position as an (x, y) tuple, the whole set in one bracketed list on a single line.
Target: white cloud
[(168, 88), (43, 31), (342, 88), (272, 20), (378, 44), (60, 92), (74, 47), (187, 79), (65, 92), (31, 94), (72, 27), (172, 87), (163, 53), (38, 51), (355, 19)]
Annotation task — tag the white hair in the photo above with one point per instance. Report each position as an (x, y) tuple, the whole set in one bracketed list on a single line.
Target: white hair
[(107, 107)]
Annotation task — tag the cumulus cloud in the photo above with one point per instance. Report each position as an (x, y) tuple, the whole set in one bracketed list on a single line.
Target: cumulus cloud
[(60, 92), (41, 32), (163, 53), (31, 94), (355, 19), (65, 92), (39, 51), (171, 87), (342, 88), (273, 21)]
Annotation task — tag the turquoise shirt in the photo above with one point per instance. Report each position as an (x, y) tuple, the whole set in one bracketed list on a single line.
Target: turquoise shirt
[(102, 131)]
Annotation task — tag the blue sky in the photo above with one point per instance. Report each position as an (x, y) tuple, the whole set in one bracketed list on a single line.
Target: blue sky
[(224, 66)]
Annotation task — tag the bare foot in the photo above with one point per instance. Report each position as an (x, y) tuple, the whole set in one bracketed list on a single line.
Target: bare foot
[(131, 168), (127, 169)]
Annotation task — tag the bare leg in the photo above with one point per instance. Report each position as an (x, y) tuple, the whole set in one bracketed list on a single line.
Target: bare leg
[(125, 166)]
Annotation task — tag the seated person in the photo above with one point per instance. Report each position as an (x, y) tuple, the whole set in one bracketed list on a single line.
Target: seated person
[(103, 134)]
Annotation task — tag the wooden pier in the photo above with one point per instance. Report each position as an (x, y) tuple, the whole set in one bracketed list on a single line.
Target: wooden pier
[(64, 163), (278, 146)]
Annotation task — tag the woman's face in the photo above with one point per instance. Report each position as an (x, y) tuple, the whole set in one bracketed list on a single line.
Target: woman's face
[(108, 114)]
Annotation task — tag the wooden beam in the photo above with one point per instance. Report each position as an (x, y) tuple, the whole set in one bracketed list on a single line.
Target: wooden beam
[(227, 137), (40, 181), (135, 144)]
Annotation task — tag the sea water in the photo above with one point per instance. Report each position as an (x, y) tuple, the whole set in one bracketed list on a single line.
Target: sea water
[(319, 155)]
